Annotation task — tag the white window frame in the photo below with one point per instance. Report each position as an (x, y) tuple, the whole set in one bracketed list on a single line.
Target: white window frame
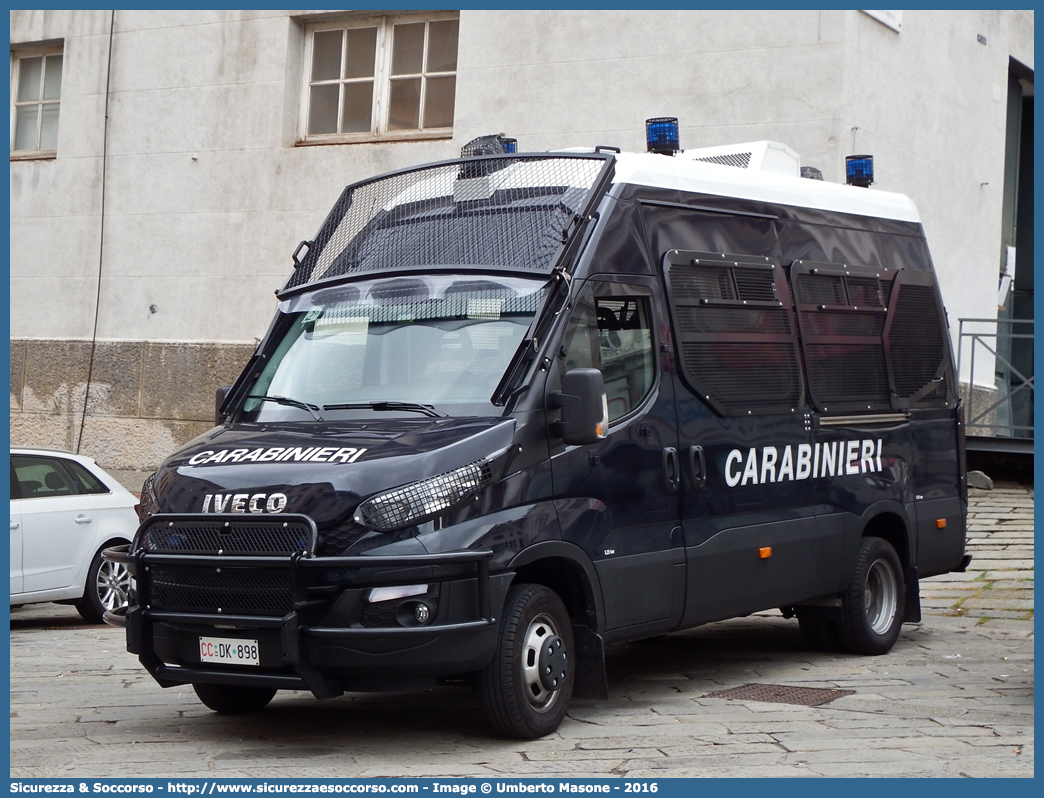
[(382, 80), (17, 54)]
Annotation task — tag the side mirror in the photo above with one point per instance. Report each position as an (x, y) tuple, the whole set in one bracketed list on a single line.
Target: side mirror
[(585, 410), (220, 395)]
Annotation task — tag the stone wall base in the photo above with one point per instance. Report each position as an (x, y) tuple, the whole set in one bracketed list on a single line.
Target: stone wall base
[(145, 399)]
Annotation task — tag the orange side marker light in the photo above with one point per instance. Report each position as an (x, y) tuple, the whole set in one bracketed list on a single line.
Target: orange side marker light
[(765, 552), (940, 523)]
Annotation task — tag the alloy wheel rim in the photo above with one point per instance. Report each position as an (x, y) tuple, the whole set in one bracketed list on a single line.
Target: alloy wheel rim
[(113, 585)]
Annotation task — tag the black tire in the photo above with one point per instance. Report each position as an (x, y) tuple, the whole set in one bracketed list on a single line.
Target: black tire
[(535, 633), (107, 588), (873, 604), (819, 628), (233, 700)]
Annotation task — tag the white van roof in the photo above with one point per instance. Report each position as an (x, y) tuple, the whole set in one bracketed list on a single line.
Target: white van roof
[(764, 178)]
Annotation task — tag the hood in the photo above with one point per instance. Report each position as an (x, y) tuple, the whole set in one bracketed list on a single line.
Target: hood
[(322, 470)]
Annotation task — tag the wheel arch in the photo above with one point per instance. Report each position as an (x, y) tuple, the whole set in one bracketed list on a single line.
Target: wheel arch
[(565, 569), (892, 523)]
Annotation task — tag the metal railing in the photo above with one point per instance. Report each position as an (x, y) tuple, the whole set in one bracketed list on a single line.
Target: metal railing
[(1010, 413)]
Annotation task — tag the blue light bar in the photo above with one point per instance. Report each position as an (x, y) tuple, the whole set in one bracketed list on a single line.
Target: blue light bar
[(661, 135), (859, 170), (509, 145)]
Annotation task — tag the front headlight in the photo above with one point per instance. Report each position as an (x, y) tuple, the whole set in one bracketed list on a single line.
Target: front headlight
[(419, 501), (147, 504)]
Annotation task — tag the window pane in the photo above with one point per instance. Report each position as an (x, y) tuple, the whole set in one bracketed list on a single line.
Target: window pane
[(322, 110), (326, 55), (407, 49), (358, 105), (25, 127), (625, 352), (53, 78), (362, 47), (49, 127), (29, 78), (404, 110), (438, 102), (40, 476), (90, 483), (442, 46)]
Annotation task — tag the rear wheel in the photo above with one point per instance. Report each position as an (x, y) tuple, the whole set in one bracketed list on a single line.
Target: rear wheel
[(527, 685), (107, 588), (233, 700), (873, 604)]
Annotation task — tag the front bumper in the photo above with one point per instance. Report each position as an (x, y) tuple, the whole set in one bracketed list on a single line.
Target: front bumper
[(308, 613)]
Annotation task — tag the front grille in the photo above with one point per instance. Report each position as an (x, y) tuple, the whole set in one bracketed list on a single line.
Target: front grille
[(228, 591), (239, 536), (335, 541)]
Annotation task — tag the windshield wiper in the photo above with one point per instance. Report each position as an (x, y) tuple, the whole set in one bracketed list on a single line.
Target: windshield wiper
[(287, 401), (427, 410)]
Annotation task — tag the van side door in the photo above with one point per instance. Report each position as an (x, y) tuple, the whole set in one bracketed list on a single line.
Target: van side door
[(748, 514), (618, 499)]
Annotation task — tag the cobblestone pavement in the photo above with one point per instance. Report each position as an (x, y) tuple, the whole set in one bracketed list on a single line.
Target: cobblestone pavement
[(953, 698)]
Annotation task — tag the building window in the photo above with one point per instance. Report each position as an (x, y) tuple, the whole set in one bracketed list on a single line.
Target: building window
[(36, 91), (380, 78)]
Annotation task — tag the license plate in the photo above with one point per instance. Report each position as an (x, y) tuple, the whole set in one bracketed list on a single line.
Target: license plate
[(228, 651)]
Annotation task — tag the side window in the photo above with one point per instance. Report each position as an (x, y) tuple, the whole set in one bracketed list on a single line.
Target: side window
[(43, 476), (612, 333), (737, 340), (88, 482), (841, 313)]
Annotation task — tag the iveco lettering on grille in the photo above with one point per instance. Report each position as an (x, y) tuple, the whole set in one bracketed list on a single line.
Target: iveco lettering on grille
[(769, 464), (277, 454), (244, 503)]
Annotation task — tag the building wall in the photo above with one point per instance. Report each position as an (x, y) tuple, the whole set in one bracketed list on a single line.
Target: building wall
[(205, 194)]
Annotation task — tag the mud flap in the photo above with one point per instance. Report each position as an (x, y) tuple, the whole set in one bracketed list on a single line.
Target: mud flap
[(913, 597), (591, 680)]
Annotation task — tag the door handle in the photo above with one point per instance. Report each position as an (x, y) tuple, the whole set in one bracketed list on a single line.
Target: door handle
[(697, 467), (15, 525), (671, 470), (83, 519)]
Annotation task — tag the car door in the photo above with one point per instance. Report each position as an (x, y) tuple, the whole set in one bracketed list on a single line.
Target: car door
[(59, 524), (16, 538), (618, 498)]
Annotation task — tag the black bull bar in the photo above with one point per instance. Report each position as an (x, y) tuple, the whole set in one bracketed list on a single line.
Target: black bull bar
[(139, 617)]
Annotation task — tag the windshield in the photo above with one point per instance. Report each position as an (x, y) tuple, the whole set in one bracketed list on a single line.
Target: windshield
[(429, 345)]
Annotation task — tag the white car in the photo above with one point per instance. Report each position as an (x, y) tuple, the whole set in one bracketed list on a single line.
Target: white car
[(64, 511)]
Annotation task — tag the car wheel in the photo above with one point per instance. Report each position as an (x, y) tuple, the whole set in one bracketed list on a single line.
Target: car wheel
[(232, 700), (527, 685), (107, 588), (873, 604)]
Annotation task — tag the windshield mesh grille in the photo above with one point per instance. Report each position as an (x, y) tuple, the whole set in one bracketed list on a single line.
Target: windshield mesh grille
[(505, 212)]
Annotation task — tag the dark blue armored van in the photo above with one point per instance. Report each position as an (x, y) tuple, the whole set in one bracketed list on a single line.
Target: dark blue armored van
[(516, 408)]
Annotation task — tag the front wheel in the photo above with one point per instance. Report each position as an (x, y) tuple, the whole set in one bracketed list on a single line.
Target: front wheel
[(232, 700), (527, 685), (873, 604), (107, 588)]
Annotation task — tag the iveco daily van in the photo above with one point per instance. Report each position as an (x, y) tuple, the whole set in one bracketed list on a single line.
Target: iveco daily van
[(516, 408)]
